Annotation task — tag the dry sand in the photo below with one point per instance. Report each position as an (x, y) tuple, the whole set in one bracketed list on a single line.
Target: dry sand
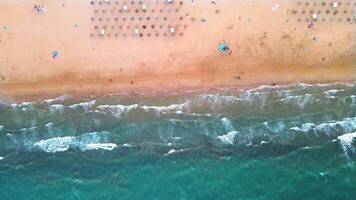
[(271, 43)]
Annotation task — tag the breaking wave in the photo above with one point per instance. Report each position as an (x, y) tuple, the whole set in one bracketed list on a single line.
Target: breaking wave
[(346, 142), (84, 142), (289, 116), (346, 125)]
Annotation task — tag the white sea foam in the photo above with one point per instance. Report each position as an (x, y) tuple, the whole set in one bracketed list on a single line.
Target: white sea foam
[(127, 145), (276, 127), (347, 84), (1, 158), (25, 109), (105, 146), (347, 139), (165, 109), (228, 138), (26, 137), (179, 112), (88, 141), (13, 105), (332, 92), (303, 85), (215, 99), (346, 125), (25, 106), (54, 145), (84, 105), (28, 104), (261, 97), (49, 101), (353, 99), (299, 100), (265, 87), (248, 96), (176, 138), (227, 124), (50, 130), (172, 151), (284, 93), (116, 110), (346, 142), (50, 124), (214, 102), (56, 108), (23, 129), (263, 142), (1, 128), (60, 98), (299, 85)]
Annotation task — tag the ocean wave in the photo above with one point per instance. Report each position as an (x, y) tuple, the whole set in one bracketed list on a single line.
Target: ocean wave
[(261, 97), (275, 127), (28, 104), (23, 104), (214, 99), (346, 125), (291, 86), (321, 85), (346, 84), (96, 146), (301, 86), (228, 138), (332, 92), (26, 107), (266, 88), (58, 99), (166, 109), (49, 125), (172, 151), (84, 105), (353, 99), (54, 145), (85, 142), (116, 110), (346, 141), (56, 108), (300, 100), (128, 145), (227, 124), (267, 114)]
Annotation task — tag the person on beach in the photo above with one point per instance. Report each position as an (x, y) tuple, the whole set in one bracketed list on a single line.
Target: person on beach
[(39, 9)]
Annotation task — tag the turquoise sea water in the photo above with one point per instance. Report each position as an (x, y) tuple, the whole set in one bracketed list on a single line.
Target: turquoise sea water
[(283, 142)]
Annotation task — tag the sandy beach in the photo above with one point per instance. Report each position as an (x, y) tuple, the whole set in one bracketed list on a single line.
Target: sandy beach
[(177, 99), (92, 47)]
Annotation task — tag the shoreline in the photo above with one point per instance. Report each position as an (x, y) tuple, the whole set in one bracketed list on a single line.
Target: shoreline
[(149, 92), (175, 83)]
